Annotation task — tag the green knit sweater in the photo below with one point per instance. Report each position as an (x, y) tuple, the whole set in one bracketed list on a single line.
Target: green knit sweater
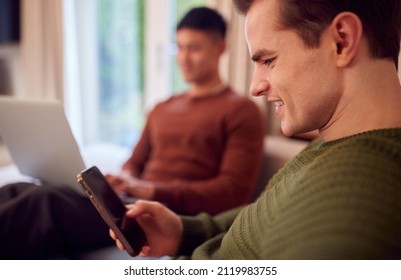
[(335, 200)]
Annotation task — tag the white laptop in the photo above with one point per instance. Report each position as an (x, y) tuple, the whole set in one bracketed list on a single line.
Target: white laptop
[(40, 141)]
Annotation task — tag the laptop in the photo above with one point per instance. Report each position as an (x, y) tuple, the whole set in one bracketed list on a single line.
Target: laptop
[(40, 141)]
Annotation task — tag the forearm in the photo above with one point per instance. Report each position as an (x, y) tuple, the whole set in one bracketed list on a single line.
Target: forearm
[(212, 196)]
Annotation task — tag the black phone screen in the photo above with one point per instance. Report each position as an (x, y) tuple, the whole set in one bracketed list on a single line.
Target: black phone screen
[(106, 195), (105, 199)]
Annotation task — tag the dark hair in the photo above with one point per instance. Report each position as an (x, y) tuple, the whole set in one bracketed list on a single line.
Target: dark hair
[(204, 19), (381, 20)]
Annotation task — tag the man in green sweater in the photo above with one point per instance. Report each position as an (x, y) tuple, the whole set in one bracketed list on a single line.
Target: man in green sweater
[(331, 66)]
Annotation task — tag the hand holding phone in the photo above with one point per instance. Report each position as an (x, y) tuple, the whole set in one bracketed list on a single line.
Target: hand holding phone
[(112, 209), (164, 228)]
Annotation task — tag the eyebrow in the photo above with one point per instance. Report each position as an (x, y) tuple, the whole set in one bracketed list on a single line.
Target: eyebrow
[(256, 57)]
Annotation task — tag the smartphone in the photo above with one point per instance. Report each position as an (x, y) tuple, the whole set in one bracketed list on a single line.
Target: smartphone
[(112, 209)]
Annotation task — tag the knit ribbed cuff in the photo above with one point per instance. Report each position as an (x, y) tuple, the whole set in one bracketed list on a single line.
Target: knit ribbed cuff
[(193, 236)]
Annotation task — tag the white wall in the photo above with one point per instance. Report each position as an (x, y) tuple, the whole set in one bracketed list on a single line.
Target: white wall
[(11, 83)]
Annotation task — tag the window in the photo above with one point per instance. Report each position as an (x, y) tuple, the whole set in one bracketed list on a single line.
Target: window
[(120, 53), (118, 64)]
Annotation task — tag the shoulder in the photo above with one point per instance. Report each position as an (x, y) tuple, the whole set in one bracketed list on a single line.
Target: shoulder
[(238, 105), (172, 103), (367, 163), (373, 146), (179, 97), (235, 98)]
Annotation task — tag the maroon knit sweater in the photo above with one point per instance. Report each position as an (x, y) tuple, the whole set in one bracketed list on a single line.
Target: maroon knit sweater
[(202, 153)]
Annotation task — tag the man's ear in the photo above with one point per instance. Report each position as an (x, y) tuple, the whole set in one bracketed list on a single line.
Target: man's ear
[(223, 47), (346, 29)]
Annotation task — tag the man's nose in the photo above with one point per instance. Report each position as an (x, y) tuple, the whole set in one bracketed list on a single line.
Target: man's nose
[(259, 85)]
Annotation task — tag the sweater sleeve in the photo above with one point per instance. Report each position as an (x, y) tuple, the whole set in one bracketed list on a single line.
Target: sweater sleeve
[(239, 168), (202, 227)]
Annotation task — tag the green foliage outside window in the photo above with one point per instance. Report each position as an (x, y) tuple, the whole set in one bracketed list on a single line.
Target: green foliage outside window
[(121, 69)]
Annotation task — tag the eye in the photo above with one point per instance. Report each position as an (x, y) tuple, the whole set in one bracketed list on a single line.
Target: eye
[(268, 62)]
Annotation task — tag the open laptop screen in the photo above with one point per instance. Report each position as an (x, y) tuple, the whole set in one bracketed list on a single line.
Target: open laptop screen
[(40, 141)]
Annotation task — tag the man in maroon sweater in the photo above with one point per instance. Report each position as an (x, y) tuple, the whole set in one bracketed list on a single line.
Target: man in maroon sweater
[(200, 150)]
